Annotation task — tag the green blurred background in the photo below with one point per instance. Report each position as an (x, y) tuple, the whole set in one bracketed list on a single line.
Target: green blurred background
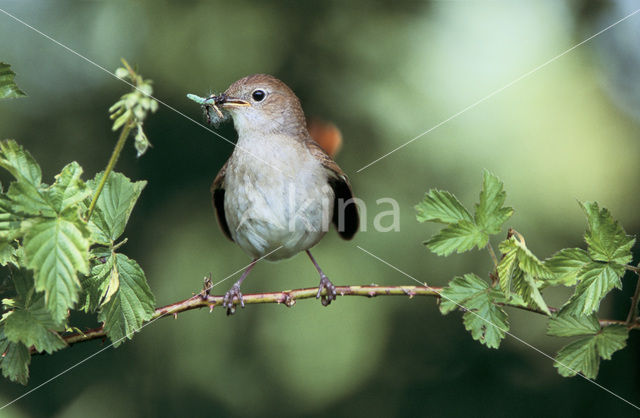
[(384, 72)]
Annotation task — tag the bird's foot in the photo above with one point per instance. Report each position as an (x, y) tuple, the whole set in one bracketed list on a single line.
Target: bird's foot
[(228, 301), (325, 284)]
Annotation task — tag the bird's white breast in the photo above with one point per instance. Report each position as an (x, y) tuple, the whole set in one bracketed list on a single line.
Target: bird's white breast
[(276, 196)]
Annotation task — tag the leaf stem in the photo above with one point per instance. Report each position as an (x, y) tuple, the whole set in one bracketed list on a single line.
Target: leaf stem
[(631, 316), (493, 254), (110, 165)]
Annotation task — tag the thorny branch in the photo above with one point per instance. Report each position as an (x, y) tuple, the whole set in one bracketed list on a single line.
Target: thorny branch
[(290, 297)]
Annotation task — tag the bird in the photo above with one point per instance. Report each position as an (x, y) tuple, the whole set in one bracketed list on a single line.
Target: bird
[(276, 194)]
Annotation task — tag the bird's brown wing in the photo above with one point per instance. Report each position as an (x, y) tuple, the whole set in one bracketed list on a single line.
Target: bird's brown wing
[(217, 191), (345, 211)]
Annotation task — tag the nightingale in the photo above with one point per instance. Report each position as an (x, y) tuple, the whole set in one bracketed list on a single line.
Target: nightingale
[(279, 189)]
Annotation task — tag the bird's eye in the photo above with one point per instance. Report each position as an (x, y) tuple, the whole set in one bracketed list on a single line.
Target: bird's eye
[(258, 95)]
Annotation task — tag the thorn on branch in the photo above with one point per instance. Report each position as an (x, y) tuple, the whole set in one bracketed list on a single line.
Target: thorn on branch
[(288, 300)]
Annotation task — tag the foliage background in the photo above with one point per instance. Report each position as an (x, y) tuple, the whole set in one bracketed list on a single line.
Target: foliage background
[(383, 72)]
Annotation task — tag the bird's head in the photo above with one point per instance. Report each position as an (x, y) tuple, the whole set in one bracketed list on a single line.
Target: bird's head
[(262, 103)]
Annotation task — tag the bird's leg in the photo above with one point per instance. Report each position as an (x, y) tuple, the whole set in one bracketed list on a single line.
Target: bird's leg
[(325, 283), (234, 292)]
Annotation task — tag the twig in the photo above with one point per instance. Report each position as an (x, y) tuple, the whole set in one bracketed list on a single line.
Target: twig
[(632, 268), (290, 297)]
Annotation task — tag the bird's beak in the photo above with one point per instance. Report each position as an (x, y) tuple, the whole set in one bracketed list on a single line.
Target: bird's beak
[(227, 101)]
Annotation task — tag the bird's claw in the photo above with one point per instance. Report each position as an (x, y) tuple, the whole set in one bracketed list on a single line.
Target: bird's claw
[(228, 301), (331, 293)]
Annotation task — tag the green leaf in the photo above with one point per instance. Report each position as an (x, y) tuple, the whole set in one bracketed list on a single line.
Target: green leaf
[(459, 237), (565, 325), (486, 321), (131, 305), (583, 355), (102, 283), (114, 206), (14, 359), (506, 265), (611, 339), (33, 326), (29, 200), (8, 87), (7, 253), (595, 281), (566, 264), (578, 356), (527, 261), (459, 290), (9, 222), (521, 266), (490, 215), (68, 189), (441, 206), (57, 250), (20, 163), (606, 239), (525, 285)]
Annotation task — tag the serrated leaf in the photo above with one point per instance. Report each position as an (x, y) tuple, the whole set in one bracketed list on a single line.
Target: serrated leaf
[(20, 163), (459, 290), (486, 321), (595, 281), (8, 87), (506, 265), (32, 325), (131, 305), (101, 284), (7, 253), (610, 340), (14, 359), (520, 267), (68, 189), (525, 286), (529, 263), (57, 249), (565, 325), (9, 222), (490, 215), (114, 206), (578, 356), (566, 264), (459, 237), (441, 206), (606, 239), (26, 199)]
